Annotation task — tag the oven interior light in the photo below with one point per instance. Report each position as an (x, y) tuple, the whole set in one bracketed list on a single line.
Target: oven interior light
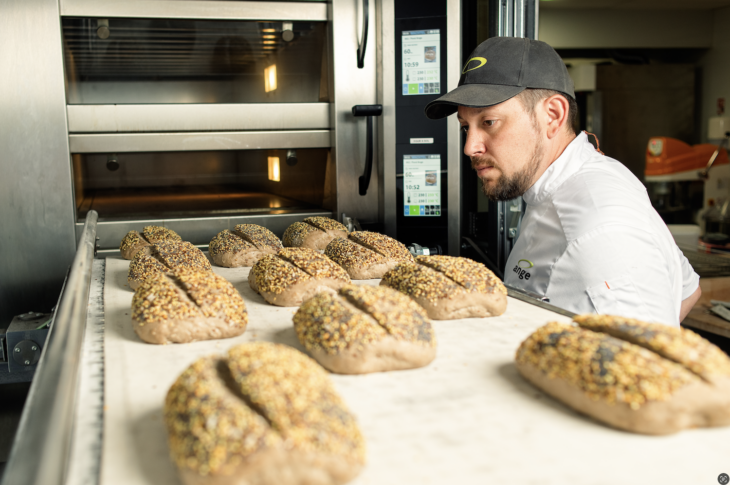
[(268, 30), (268, 42), (269, 36), (274, 169), (270, 78), (269, 47)]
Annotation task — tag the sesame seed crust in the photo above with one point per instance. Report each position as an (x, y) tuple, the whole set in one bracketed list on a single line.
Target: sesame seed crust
[(420, 281), (348, 254), (150, 235), (604, 368), (325, 322), (259, 236), (164, 257), (130, 240), (314, 263), (155, 234), (181, 255), (227, 242), (295, 234), (360, 315), (274, 275), (472, 276), (210, 429), (325, 224), (158, 299), (382, 244), (296, 396), (402, 317), (677, 344), (214, 295), (144, 265)]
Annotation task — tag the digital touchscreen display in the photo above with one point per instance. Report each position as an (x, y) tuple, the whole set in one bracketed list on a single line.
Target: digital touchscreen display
[(421, 62), (422, 185)]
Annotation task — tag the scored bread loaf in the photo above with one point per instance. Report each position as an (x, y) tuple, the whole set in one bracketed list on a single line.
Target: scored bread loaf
[(449, 287), (134, 241), (313, 233), (187, 306), (243, 246), (641, 377), (265, 414), (367, 255), (163, 257), (294, 275), (364, 329)]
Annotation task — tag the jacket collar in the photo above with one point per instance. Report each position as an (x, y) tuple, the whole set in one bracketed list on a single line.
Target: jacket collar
[(567, 164)]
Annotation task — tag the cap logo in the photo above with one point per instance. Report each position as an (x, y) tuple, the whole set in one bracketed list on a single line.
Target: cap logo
[(480, 60)]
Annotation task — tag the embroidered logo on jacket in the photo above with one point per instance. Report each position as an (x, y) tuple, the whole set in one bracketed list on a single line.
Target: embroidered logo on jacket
[(521, 269)]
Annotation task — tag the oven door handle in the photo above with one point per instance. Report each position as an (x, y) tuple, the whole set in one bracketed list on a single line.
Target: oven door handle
[(369, 111), (364, 39)]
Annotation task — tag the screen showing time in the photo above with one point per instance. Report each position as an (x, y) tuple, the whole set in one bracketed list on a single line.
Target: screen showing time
[(421, 185), (421, 62)]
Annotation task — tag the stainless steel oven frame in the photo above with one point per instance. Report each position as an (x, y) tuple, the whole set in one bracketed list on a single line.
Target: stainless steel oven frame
[(40, 130)]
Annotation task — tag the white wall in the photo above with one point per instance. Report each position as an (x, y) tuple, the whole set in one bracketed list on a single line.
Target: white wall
[(598, 28), (715, 66)]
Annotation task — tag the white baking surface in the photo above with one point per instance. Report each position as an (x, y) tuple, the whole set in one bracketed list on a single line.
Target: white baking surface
[(468, 418)]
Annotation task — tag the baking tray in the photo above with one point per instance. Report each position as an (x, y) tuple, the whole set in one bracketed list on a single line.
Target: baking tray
[(467, 418)]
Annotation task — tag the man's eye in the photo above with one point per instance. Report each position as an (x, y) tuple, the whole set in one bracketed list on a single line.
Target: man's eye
[(489, 122), (464, 129)]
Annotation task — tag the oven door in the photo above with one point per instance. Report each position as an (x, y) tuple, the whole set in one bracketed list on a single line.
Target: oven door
[(200, 115)]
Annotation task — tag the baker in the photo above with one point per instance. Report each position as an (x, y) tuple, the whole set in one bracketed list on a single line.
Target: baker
[(590, 239)]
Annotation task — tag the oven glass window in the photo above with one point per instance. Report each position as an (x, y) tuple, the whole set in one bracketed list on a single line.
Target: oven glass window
[(194, 184), (160, 61)]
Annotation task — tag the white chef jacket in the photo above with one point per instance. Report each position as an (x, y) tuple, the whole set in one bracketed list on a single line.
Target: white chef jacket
[(592, 242)]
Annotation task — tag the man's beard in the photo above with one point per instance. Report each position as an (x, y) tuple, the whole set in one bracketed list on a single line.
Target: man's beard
[(507, 188)]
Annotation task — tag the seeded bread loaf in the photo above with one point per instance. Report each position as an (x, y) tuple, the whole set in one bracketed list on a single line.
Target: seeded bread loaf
[(265, 414), (294, 275), (641, 377), (367, 255), (449, 288), (313, 233), (364, 329), (164, 257), (187, 306), (134, 241), (243, 246)]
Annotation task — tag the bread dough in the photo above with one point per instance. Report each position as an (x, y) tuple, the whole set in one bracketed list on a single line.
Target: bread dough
[(623, 384), (365, 329), (449, 288), (265, 414)]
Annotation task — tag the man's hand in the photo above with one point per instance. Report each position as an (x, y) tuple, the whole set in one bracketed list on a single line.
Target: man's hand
[(688, 303)]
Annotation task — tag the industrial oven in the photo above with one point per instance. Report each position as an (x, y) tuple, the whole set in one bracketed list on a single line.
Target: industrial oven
[(199, 115)]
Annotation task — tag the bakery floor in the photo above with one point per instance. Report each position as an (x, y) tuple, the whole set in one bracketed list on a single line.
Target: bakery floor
[(467, 418), (183, 202)]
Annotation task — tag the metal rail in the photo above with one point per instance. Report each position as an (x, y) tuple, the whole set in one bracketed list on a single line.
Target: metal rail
[(42, 443), (535, 300)]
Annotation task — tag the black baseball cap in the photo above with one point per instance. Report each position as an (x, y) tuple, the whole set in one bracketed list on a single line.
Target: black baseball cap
[(501, 68)]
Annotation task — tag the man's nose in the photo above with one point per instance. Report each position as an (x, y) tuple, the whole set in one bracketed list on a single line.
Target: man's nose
[(473, 146)]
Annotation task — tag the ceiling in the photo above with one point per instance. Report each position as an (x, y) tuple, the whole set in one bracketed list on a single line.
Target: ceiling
[(635, 4)]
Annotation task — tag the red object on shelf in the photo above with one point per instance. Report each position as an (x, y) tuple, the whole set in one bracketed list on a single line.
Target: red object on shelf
[(666, 156)]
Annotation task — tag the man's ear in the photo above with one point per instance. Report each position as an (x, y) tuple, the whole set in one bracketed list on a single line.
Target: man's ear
[(557, 110)]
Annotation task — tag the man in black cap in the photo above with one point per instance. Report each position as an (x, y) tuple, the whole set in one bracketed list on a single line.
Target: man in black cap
[(590, 239)]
